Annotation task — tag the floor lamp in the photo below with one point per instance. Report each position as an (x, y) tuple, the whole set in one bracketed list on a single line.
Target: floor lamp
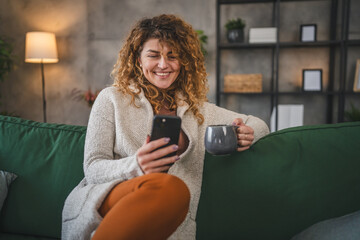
[(40, 47)]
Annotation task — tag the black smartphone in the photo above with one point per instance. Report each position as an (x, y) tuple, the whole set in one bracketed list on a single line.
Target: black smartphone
[(166, 126)]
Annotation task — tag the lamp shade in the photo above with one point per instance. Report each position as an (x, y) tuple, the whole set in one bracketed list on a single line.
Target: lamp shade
[(40, 47)]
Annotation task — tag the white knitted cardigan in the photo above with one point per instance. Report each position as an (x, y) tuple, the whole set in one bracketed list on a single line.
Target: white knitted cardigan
[(115, 131)]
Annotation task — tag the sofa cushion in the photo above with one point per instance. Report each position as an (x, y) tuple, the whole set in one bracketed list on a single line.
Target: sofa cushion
[(47, 158), (284, 183), (6, 179)]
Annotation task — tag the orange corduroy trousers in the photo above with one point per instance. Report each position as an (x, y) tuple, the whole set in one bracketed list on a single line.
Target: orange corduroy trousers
[(151, 206)]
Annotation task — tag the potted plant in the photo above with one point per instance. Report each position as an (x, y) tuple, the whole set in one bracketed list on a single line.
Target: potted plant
[(6, 61), (235, 30), (203, 40), (89, 96), (6, 65)]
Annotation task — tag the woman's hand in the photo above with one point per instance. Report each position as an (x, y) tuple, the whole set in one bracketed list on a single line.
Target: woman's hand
[(151, 161), (245, 135)]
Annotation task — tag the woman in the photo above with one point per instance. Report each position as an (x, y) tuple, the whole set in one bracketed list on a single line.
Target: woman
[(130, 189)]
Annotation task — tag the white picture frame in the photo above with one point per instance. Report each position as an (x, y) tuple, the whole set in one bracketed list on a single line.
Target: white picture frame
[(308, 32), (312, 80), (357, 77)]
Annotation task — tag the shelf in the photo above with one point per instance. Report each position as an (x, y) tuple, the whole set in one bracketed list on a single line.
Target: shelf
[(284, 93), (310, 44), (308, 93), (244, 1), (248, 93), (261, 1), (246, 45), (352, 93), (281, 44), (353, 42)]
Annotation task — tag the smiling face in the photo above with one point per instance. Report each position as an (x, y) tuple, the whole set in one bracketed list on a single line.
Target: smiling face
[(159, 64)]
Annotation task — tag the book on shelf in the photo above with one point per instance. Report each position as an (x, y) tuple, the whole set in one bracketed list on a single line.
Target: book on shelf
[(262, 35)]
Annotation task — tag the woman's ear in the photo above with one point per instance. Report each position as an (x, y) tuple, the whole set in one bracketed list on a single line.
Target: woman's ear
[(139, 60)]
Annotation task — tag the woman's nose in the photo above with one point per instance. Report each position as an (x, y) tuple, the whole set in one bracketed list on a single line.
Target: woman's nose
[(162, 63)]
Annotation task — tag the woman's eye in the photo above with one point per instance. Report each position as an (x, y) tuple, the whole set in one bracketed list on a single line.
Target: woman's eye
[(152, 56), (172, 57)]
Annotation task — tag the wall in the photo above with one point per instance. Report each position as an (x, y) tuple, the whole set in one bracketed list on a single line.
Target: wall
[(90, 33)]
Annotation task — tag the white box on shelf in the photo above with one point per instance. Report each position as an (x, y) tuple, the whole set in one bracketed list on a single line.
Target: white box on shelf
[(262, 35), (290, 115)]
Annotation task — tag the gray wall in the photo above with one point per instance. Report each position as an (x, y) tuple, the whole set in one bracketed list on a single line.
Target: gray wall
[(90, 34)]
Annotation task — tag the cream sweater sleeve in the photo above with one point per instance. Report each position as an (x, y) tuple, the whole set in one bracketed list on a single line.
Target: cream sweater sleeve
[(100, 165)]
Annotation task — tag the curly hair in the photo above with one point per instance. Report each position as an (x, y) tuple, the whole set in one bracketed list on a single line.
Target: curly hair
[(191, 82)]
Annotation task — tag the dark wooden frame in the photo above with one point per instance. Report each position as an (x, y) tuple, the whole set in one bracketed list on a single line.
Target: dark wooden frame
[(302, 29)]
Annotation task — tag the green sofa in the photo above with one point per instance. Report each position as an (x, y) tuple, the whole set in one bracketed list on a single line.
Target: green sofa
[(286, 182)]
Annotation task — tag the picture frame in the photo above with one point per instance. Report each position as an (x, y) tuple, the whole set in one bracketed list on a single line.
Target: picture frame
[(308, 32), (289, 115), (357, 77), (312, 80)]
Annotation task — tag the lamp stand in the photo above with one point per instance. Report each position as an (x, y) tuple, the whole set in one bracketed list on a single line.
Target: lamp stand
[(43, 90)]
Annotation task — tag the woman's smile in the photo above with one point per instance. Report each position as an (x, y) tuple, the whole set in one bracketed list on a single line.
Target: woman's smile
[(163, 74)]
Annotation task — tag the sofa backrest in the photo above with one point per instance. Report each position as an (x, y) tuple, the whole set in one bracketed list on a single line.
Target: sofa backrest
[(48, 160), (286, 182)]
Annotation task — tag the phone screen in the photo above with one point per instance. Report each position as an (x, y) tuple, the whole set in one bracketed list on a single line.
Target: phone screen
[(166, 126)]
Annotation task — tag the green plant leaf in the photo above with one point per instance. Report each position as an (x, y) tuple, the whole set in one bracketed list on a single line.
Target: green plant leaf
[(6, 59), (237, 23), (353, 115), (203, 40)]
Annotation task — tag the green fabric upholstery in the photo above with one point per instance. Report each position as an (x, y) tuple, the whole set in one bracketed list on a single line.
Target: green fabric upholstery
[(286, 182), (4, 236), (47, 158)]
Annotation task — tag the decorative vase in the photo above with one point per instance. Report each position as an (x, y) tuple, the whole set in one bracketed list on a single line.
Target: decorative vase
[(235, 35)]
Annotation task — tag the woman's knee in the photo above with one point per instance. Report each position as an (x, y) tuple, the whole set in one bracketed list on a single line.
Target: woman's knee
[(177, 185), (173, 189), (171, 182)]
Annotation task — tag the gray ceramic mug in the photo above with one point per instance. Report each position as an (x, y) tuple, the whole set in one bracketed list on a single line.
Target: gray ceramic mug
[(221, 139)]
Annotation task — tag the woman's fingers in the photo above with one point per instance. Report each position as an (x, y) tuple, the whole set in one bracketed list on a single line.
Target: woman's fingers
[(160, 153), (151, 146), (244, 129), (240, 149), (160, 165), (151, 157), (238, 122), (245, 134), (245, 137), (244, 143)]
